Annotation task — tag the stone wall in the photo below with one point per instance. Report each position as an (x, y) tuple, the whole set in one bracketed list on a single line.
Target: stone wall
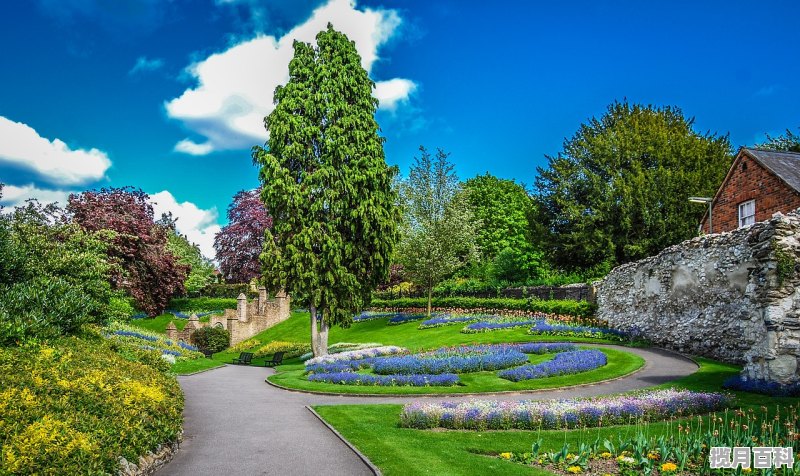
[(247, 320), (731, 296)]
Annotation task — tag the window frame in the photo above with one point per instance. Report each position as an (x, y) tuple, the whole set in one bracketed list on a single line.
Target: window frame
[(743, 218)]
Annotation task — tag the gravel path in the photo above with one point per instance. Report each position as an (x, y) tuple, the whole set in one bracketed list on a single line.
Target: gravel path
[(236, 424)]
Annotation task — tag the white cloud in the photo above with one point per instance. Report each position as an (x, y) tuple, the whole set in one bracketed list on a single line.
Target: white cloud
[(144, 65), (53, 161), (235, 87), (187, 146), (15, 196), (197, 224), (394, 91)]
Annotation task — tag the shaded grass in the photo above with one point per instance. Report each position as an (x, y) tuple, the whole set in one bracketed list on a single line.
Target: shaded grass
[(619, 364), (375, 431)]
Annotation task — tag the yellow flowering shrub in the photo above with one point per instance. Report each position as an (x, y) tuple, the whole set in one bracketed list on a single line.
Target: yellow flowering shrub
[(75, 406), (245, 345), (292, 349)]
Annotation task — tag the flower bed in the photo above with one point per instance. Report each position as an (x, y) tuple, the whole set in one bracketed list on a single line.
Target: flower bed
[(463, 361), (340, 347), (369, 316), (188, 314), (560, 414), (562, 364), (446, 320), (352, 378), (401, 318), (487, 326), (545, 328), (357, 354), (125, 336), (765, 387), (75, 406)]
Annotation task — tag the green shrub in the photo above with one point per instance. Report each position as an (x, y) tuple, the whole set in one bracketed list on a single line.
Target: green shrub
[(291, 349), (202, 303), (211, 339), (54, 277), (75, 407), (569, 307)]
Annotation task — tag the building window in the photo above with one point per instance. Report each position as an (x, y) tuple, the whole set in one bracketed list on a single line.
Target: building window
[(747, 213)]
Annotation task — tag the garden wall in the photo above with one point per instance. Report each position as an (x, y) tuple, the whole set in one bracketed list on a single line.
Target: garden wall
[(731, 296)]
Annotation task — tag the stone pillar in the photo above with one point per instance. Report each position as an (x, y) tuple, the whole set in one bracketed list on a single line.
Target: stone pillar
[(262, 300), (241, 307), (172, 331)]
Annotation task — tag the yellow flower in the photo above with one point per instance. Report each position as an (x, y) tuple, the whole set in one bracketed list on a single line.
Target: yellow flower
[(505, 455), (606, 455), (747, 470), (574, 469), (668, 467), (653, 455)]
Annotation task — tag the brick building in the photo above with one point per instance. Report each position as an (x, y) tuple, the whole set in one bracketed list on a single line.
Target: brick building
[(759, 184)]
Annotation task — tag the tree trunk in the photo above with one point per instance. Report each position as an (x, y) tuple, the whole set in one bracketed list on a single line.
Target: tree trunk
[(314, 332), (323, 337), (430, 298)]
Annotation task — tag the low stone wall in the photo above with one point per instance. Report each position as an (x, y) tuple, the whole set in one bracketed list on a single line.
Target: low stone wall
[(731, 296), (151, 462)]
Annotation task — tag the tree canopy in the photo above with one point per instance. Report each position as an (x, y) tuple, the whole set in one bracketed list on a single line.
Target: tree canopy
[(145, 267), (618, 191), (505, 210), (788, 141), (327, 186), (240, 243), (201, 269), (439, 233)]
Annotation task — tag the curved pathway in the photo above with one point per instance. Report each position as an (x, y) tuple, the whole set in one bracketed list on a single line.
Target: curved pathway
[(236, 424)]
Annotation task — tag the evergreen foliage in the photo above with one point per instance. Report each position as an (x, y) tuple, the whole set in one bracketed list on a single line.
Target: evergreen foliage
[(327, 186), (618, 191)]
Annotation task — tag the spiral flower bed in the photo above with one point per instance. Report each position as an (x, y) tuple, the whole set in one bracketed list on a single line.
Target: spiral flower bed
[(456, 361), (433, 368), (562, 364), (560, 414)]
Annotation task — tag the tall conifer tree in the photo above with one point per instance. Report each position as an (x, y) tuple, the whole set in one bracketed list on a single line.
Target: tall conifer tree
[(327, 186)]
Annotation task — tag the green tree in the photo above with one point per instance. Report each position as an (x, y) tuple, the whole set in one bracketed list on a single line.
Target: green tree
[(789, 141), (201, 269), (618, 190), (505, 210), (54, 276), (440, 231), (327, 186)]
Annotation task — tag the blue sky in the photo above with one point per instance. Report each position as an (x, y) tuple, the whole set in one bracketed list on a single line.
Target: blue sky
[(168, 96)]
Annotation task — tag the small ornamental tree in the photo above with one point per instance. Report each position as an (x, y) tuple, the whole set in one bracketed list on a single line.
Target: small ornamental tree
[(146, 269), (440, 230), (327, 186), (239, 244)]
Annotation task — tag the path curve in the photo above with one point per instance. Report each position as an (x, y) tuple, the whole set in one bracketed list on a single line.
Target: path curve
[(236, 424)]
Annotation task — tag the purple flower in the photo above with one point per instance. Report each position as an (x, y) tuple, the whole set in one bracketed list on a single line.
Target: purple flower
[(563, 363)]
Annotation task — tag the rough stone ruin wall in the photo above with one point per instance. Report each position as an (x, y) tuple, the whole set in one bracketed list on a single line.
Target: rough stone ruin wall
[(731, 296)]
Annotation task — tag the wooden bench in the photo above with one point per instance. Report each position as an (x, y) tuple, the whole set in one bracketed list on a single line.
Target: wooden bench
[(244, 358), (277, 359)]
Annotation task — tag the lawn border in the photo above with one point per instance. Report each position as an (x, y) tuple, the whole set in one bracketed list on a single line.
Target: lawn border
[(375, 470), (488, 394), (204, 370)]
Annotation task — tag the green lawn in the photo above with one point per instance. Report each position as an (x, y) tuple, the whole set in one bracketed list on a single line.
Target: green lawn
[(619, 363), (375, 431), (159, 323), (191, 366)]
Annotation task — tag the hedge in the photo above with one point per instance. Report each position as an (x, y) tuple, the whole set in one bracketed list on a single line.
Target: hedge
[(569, 307), (202, 304), (222, 290), (75, 407)]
